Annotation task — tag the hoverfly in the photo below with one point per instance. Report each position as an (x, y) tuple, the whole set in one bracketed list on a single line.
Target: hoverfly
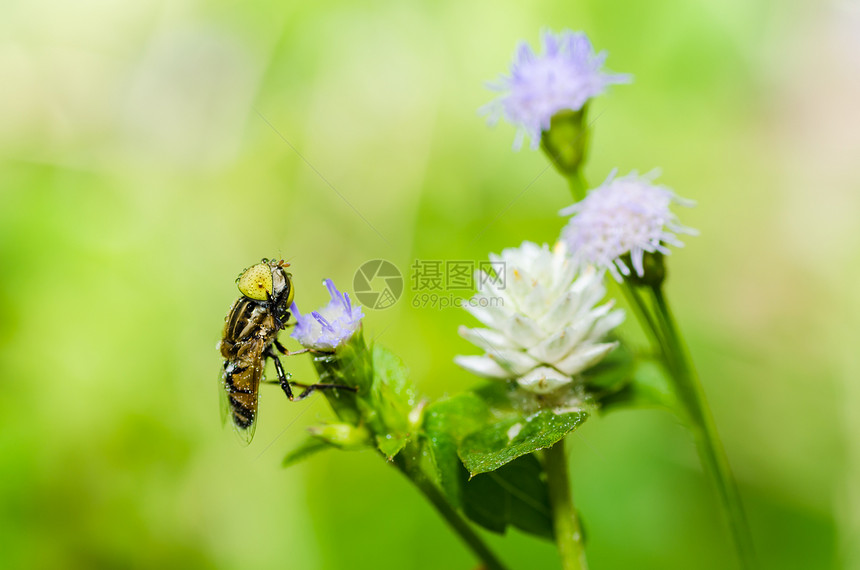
[(251, 337)]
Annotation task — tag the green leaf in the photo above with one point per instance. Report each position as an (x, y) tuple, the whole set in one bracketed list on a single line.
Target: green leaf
[(310, 446), (384, 396), (623, 380), (648, 388), (350, 365), (612, 373), (502, 442), (457, 416), (515, 494), (390, 445), (389, 402), (446, 423)]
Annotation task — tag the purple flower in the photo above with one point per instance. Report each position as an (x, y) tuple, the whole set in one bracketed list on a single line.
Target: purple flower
[(329, 327), (626, 215), (566, 76)]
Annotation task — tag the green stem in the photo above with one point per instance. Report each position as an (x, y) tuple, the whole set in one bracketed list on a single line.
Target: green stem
[(568, 534), (577, 185), (713, 457), (407, 462), (635, 301)]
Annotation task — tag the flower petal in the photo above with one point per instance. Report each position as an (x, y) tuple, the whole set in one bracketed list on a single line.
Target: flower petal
[(560, 344), (514, 361), (550, 317), (543, 380), (482, 366), (565, 76), (523, 331), (579, 360), (330, 326), (624, 215), (489, 315), (487, 339), (606, 324)]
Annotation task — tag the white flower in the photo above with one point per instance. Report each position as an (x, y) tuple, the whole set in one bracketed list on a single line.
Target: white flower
[(627, 215), (565, 76), (543, 325)]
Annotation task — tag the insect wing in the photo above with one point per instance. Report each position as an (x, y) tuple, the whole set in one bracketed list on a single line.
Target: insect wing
[(223, 401), (241, 391)]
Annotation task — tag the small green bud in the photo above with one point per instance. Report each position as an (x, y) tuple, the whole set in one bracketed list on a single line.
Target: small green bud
[(654, 266), (344, 436), (566, 141)]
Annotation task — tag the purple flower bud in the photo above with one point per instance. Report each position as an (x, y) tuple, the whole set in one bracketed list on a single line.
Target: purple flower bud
[(564, 77), (331, 326)]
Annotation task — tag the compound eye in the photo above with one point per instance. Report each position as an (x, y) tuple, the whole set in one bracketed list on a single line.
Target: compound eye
[(292, 291), (256, 282)]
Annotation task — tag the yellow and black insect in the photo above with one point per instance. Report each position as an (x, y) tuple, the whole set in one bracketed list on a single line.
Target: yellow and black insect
[(251, 337)]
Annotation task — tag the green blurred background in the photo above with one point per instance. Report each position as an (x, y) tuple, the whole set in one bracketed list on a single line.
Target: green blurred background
[(145, 162)]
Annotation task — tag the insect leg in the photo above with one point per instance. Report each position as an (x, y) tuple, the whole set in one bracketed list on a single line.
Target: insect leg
[(288, 352), (309, 389), (282, 376)]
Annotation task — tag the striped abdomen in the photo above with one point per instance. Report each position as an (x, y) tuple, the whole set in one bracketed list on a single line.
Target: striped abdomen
[(242, 384), (248, 333)]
